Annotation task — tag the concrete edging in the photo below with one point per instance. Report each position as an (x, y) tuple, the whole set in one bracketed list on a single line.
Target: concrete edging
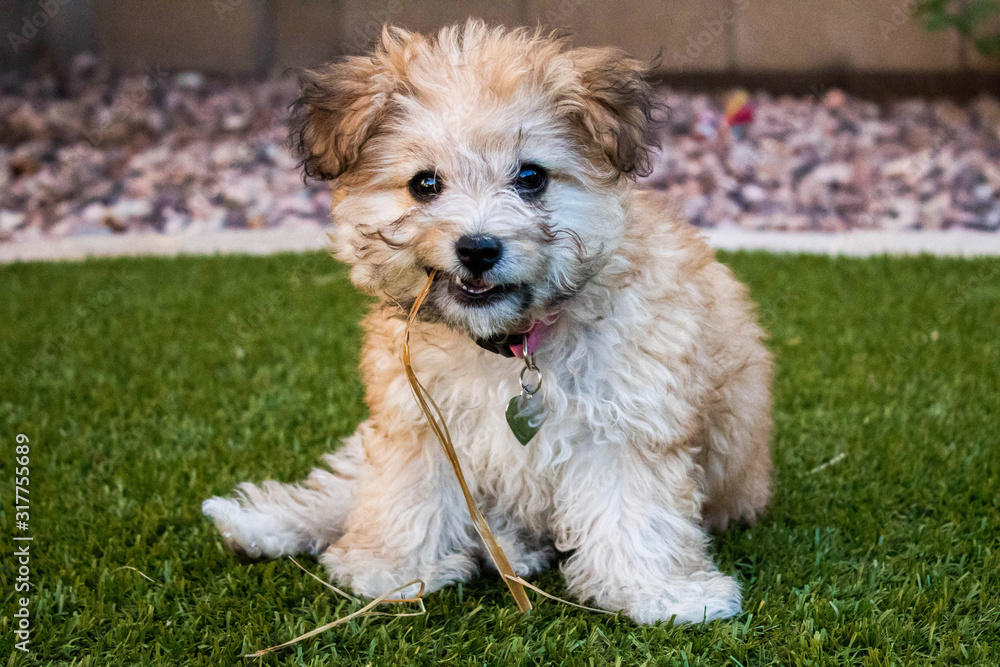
[(258, 242), (861, 243), (271, 241)]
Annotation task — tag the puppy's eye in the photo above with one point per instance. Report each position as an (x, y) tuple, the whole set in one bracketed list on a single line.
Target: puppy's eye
[(531, 180), (426, 185)]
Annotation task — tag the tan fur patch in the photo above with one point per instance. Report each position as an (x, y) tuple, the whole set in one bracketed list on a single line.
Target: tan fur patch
[(656, 379)]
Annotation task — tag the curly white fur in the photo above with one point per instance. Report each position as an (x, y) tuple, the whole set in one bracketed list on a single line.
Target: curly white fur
[(656, 383)]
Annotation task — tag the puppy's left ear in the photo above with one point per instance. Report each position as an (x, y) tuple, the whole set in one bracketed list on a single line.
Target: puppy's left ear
[(617, 107)]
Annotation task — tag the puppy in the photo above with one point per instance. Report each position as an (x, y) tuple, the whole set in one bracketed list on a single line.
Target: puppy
[(505, 161)]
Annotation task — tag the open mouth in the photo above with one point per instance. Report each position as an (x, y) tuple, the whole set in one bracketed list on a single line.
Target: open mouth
[(476, 291)]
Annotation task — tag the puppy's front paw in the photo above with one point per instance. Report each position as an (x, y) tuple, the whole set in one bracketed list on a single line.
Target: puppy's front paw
[(702, 596), (372, 576), (243, 529), (369, 576)]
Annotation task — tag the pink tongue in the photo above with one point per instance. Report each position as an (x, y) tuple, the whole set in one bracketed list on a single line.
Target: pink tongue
[(532, 339)]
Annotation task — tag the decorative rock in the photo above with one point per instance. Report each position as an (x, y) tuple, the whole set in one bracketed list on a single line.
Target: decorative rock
[(10, 221), (235, 122), (753, 193), (903, 215), (835, 99), (991, 221), (190, 80), (984, 193), (191, 152), (126, 209)]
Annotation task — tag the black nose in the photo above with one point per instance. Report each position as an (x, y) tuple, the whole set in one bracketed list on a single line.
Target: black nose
[(478, 253)]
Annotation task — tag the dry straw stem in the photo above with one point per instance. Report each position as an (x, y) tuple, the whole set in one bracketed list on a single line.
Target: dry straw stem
[(823, 466), (325, 583), (365, 611), (437, 424), (558, 599), (135, 569)]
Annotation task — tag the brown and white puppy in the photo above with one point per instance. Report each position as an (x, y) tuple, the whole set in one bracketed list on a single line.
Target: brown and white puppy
[(504, 160)]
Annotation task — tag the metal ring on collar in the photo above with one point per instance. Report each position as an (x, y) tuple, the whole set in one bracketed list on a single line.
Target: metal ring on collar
[(538, 384)]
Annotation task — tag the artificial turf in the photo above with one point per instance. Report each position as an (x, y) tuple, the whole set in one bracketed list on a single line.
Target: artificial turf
[(148, 385)]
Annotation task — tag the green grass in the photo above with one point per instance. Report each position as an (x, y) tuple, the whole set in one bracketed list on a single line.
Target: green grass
[(148, 385)]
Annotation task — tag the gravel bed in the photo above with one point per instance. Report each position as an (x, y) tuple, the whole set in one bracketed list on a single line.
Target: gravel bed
[(185, 153)]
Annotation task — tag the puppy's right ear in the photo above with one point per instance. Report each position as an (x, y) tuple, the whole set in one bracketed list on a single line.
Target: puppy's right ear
[(338, 110)]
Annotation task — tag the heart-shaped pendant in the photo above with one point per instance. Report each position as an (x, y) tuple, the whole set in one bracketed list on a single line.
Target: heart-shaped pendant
[(525, 415)]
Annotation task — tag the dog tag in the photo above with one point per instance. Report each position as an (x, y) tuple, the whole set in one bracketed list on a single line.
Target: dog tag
[(525, 415), (526, 412)]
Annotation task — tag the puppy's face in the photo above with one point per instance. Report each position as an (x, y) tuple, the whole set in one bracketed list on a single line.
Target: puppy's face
[(495, 158)]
